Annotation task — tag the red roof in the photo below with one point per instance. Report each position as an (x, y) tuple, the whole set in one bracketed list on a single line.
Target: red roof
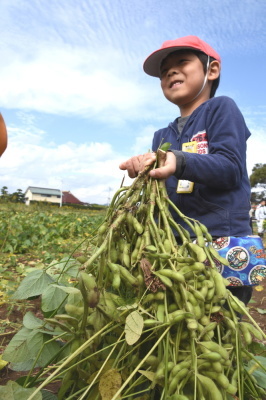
[(69, 198)]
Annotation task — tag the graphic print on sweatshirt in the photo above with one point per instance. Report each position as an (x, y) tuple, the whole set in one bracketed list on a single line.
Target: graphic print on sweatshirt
[(202, 142)]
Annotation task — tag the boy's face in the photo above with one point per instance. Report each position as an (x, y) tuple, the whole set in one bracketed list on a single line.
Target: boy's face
[(182, 77)]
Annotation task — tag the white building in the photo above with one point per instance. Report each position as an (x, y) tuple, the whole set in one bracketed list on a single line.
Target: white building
[(43, 194)]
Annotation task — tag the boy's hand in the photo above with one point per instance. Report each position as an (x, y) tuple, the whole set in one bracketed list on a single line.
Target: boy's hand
[(137, 163), (167, 170)]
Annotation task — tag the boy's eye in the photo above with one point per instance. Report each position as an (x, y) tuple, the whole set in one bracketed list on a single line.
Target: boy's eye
[(175, 64)]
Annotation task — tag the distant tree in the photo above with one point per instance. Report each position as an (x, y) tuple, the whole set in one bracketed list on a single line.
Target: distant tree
[(4, 194), (18, 196), (4, 191), (258, 175)]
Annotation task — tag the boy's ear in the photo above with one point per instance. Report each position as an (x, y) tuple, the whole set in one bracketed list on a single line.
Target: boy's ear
[(214, 70)]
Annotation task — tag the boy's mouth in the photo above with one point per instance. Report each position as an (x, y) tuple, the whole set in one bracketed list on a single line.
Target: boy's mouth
[(175, 83)]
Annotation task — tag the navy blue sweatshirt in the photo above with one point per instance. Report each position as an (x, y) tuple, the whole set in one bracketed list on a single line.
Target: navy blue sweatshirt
[(221, 194)]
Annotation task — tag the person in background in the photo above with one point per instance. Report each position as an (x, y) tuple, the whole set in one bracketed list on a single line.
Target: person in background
[(260, 215), (3, 136), (205, 169)]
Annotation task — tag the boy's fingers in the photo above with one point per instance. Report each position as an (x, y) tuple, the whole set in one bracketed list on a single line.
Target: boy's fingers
[(136, 164), (160, 173), (167, 170)]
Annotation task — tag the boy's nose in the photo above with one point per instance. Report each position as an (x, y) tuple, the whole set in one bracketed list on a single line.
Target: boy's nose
[(171, 72)]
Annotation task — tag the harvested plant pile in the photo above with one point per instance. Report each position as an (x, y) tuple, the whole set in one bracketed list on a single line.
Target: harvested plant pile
[(156, 320)]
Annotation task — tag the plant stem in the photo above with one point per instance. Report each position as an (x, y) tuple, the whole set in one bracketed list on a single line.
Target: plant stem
[(139, 365)]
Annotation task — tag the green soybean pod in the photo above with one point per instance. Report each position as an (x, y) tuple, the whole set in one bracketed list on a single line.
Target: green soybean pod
[(128, 277), (199, 252), (149, 322), (192, 324), (211, 356), (178, 397), (208, 328), (220, 378), (217, 366), (209, 386), (115, 268), (173, 275), (200, 238), (160, 314), (102, 229), (178, 318), (151, 249), (176, 379), (159, 296), (153, 361), (254, 331), (135, 252), (246, 333), (205, 320), (137, 226), (167, 246), (116, 281), (165, 280), (148, 298), (231, 389), (179, 366), (210, 294), (215, 347), (126, 256), (216, 255)]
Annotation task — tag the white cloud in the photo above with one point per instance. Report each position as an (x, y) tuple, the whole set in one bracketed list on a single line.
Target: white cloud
[(88, 169), (143, 142), (59, 81), (256, 146)]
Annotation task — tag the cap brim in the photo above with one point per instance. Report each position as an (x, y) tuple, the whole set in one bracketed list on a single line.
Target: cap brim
[(153, 63)]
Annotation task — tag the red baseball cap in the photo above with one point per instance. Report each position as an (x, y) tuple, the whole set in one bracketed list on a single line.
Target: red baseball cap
[(152, 64)]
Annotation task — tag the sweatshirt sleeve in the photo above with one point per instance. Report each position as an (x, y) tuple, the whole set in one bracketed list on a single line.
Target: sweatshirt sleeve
[(225, 163)]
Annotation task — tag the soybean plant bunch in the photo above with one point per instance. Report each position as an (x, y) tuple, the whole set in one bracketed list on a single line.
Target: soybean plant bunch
[(156, 320)]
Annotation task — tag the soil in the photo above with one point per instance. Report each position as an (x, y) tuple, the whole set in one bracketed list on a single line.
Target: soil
[(11, 322)]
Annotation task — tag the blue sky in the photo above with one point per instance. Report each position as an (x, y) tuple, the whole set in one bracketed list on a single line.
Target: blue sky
[(76, 100)]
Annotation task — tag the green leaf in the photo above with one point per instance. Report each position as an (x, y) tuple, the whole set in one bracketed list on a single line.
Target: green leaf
[(261, 310), (69, 266), (165, 146), (33, 285), (13, 391), (52, 297), (25, 346), (46, 395), (260, 378), (32, 322), (17, 350)]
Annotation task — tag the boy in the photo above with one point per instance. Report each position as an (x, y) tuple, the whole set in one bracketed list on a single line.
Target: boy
[(3, 136), (206, 167)]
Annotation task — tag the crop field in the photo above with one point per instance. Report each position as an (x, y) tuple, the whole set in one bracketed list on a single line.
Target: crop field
[(44, 245), (33, 238)]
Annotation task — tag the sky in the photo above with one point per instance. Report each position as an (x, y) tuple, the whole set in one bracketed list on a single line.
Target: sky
[(74, 96)]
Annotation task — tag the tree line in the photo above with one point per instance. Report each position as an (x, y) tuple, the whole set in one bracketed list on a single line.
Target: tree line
[(17, 197)]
